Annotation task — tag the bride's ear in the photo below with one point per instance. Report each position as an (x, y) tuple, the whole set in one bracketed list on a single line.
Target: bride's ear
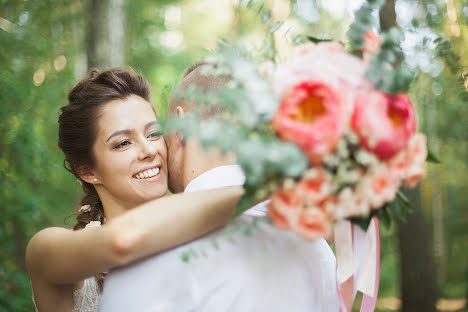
[(87, 174)]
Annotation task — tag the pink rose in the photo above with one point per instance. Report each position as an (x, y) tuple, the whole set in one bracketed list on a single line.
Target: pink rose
[(380, 186), (352, 204), (384, 123), (313, 116), (284, 207), (410, 163), (312, 223), (417, 154), (372, 43), (315, 187)]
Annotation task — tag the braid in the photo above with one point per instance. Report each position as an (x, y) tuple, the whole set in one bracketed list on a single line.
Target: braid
[(96, 212)]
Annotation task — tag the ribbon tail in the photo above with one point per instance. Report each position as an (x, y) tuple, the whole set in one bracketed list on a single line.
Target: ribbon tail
[(344, 265), (369, 301)]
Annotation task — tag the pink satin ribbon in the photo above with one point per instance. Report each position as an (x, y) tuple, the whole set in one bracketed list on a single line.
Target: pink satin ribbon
[(357, 264)]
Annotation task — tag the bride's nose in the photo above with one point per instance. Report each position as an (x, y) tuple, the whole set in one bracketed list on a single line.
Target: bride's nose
[(147, 149)]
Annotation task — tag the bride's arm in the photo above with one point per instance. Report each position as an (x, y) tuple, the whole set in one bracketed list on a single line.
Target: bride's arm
[(61, 256)]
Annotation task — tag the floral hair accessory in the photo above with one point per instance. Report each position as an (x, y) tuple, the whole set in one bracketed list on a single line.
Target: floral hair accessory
[(84, 208), (93, 224)]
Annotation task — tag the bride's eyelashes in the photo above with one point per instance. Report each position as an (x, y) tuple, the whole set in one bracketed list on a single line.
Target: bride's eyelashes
[(121, 144), (154, 135)]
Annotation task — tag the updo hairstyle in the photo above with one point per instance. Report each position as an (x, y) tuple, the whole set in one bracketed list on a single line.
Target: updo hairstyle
[(78, 126)]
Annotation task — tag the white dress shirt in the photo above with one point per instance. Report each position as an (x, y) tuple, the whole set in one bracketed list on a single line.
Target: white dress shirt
[(266, 270)]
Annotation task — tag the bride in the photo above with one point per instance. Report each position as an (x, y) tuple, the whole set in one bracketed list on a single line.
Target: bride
[(113, 144)]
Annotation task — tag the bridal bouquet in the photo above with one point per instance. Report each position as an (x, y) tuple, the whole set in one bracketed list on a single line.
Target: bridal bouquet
[(328, 135), (360, 142)]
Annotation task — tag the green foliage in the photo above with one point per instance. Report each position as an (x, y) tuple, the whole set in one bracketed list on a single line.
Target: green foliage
[(386, 70), (35, 189), (364, 21)]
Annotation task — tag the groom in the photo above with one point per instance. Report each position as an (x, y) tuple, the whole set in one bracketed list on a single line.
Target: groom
[(267, 270)]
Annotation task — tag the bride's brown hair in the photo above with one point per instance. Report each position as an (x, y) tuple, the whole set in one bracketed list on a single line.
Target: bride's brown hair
[(78, 127)]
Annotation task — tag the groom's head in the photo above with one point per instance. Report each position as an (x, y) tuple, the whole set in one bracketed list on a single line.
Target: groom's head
[(186, 159)]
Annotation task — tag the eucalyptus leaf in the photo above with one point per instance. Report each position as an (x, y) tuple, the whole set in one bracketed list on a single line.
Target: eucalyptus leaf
[(266, 17), (275, 26)]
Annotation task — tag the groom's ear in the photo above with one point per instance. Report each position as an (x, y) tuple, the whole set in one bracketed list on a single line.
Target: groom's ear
[(180, 114)]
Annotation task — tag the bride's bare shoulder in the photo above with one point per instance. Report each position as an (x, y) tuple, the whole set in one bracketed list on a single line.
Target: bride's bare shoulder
[(42, 239)]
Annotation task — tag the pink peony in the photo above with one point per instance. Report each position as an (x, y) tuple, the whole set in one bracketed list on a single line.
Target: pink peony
[(313, 116), (284, 207), (384, 123), (326, 62), (312, 223)]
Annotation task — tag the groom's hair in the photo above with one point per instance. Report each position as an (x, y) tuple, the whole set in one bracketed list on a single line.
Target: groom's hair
[(195, 78)]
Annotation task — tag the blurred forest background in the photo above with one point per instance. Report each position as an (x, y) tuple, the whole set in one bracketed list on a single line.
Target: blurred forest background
[(46, 46)]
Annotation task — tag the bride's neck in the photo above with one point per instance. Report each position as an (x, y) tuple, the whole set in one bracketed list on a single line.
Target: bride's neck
[(112, 207)]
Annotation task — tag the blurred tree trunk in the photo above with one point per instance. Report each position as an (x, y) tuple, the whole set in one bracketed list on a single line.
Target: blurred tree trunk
[(105, 40), (387, 15), (417, 271), (436, 193)]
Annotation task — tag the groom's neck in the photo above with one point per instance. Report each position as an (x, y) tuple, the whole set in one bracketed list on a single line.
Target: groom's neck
[(197, 160)]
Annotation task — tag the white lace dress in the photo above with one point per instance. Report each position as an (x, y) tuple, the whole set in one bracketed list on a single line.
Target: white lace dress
[(87, 297)]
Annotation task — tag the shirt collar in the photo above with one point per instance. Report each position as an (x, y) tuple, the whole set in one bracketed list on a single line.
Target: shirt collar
[(222, 176)]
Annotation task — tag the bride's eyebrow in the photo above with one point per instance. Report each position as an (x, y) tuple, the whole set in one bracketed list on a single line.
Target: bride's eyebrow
[(125, 131), (128, 131)]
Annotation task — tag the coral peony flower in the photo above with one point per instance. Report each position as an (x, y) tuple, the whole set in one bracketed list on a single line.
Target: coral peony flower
[(312, 223), (313, 116), (384, 123), (380, 186), (315, 186), (284, 207), (326, 62), (372, 43)]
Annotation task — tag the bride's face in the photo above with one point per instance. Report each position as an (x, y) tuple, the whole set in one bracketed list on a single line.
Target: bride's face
[(130, 153)]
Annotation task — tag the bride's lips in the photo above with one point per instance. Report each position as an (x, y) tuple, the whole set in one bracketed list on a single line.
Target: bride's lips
[(148, 174)]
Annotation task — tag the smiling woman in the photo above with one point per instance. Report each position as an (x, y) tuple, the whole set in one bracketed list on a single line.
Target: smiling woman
[(113, 144), (129, 148)]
